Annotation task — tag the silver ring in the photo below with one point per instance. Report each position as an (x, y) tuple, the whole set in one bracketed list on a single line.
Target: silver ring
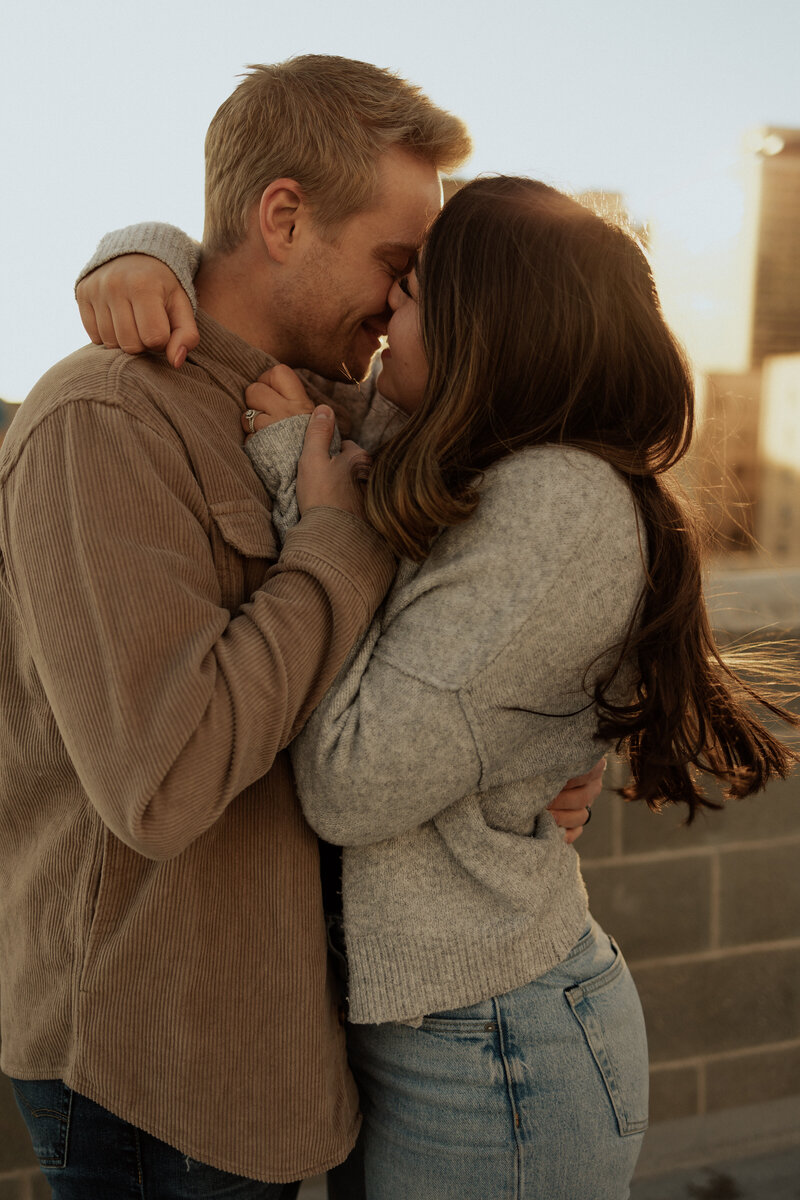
[(250, 415), (588, 816)]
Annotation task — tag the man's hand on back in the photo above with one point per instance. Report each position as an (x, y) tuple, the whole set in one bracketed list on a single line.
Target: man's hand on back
[(572, 807)]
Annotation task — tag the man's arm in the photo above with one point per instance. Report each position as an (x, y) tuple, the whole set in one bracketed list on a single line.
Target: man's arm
[(169, 706)]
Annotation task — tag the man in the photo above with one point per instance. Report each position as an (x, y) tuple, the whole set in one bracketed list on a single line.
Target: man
[(164, 984), (167, 1010)]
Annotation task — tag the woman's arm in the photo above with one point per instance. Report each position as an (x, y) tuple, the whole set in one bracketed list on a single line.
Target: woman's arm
[(155, 239), (277, 415), (137, 291)]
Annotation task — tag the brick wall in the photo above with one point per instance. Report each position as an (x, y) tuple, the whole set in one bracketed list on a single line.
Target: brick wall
[(708, 918)]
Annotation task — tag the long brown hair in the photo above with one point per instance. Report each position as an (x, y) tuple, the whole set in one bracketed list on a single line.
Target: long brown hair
[(541, 324)]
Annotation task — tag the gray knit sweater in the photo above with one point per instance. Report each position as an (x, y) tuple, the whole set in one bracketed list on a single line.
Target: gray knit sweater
[(462, 713)]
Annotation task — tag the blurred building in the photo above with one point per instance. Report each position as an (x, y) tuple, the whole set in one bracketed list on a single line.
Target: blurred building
[(775, 217), (777, 504), (748, 446)]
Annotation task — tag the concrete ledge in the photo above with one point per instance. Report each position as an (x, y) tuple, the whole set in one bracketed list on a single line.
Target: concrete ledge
[(763, 600), (729, 1135)]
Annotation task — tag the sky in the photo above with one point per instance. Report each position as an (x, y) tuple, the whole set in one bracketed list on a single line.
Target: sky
[(105, 106)]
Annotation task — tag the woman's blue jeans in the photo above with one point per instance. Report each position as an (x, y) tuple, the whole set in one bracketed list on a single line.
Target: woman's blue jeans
[(538, 1094), (86, 1153)]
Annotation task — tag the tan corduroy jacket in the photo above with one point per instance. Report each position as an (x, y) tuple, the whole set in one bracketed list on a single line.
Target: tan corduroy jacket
[(162, 945)]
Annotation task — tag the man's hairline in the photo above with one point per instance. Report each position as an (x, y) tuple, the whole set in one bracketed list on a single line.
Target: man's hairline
[(328, 232)]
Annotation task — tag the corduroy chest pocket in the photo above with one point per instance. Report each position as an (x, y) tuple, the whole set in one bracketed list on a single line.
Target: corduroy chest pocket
[(244, 547)]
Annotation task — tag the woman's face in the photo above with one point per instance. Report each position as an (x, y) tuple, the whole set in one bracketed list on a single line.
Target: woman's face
[(404, 368)]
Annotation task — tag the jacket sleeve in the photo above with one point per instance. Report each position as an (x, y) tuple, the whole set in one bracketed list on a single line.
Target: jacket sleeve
[(168, 704), (165, 242)]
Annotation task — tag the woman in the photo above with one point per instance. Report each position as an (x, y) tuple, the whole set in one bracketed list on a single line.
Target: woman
[(548, 599)]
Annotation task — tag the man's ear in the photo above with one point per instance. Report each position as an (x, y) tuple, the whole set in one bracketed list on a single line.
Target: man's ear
[(281, 211)]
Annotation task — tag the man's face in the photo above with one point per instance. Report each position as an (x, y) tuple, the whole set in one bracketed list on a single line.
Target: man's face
[(334, 306)]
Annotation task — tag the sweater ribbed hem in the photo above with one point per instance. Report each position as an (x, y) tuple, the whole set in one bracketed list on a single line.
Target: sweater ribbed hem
[(405, 978)]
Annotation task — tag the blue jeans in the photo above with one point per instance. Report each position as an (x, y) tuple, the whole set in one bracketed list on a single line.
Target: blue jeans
[(86, 1153), (538, 1094)]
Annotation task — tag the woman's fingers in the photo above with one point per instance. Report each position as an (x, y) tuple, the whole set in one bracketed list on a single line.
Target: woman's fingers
[(253, 420), (89, 322), (275, 395), (574, 823), (261, 396), (137, 333), (131, 326), (184, 335), (286, 382), (264, 406)]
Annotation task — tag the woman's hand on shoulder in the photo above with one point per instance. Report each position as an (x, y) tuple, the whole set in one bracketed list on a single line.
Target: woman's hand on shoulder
[(276, 395), (135, 302)]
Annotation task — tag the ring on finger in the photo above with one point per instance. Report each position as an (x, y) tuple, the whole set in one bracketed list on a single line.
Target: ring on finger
[(250, 415), (588, 816)]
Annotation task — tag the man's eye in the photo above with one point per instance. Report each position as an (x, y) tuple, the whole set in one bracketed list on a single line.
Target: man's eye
[(402, 283)]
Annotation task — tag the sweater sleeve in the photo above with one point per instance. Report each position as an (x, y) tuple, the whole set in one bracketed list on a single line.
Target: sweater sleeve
[(168, 704), (406, 729), (383, 753), (165, 242), (275, 452)]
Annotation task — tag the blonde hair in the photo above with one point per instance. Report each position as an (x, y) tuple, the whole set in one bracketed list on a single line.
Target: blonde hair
[(323, 121)]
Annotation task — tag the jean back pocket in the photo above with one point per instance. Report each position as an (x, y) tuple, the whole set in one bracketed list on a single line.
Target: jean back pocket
[(610, 1014), (46, 1107)]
